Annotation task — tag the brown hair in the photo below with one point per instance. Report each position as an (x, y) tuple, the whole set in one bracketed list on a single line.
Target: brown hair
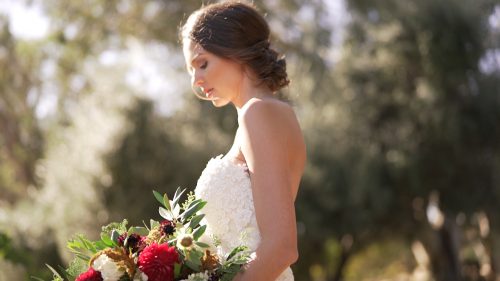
[(236, 31)]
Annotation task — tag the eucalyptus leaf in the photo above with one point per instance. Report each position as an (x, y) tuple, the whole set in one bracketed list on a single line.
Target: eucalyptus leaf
[(201, 244), (237, 250), (166, 202), (193, 209), (196, 220), (177, 196), (194, 202), (164, 213), (158, 197), (199, 232)]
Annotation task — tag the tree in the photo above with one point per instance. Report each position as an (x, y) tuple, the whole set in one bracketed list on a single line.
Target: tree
[(410, 121)]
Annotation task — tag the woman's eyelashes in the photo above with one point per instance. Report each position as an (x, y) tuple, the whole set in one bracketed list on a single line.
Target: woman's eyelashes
[(204, 65)]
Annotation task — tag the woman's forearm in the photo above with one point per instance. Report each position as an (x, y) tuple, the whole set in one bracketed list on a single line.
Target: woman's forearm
[(269, 263)]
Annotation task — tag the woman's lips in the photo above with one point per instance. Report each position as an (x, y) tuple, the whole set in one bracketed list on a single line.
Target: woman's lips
[(209, 94)]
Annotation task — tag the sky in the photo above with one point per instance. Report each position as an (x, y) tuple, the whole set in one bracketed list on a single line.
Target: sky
[(25, 22)]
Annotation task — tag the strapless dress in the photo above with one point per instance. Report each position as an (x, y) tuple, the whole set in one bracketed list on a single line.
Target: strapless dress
[(229, 212)]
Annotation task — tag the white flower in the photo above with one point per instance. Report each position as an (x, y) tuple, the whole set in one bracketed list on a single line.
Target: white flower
[(185, 240), (202, 276), (108, 268)]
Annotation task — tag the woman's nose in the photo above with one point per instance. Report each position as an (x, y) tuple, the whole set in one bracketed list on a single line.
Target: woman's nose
[(196, 79)]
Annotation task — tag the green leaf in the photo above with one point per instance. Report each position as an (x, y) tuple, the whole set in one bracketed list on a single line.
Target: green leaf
[(194, 260), (240, 262), (54, 271), (196, 220), (177, 196), (199, 232), (166, 202), (100, 245), (159, 198), (193, 209), (75, 268), (75, 244), (83, 257), (230, 272), (164, 213), (194, 266), (106, 239), (201, 244), (87, 244), (154, 223), (177, 270), (138, 230), (237, 250), (114, 236), (194, 202)]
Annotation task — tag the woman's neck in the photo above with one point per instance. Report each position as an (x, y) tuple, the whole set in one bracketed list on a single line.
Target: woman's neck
[(248, 91)]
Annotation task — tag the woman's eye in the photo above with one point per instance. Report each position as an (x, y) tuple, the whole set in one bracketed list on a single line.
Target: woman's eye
[(204, 65)]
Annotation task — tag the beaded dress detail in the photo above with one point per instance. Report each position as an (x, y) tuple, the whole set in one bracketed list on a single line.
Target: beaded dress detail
[(229, 212)]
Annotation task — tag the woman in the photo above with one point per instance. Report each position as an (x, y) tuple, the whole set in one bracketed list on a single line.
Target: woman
[(251, 190)]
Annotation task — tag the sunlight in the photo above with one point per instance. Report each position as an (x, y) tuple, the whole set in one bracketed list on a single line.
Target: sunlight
[(25, 22)]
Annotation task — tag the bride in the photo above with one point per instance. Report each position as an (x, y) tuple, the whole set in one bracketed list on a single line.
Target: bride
[(251, 190)]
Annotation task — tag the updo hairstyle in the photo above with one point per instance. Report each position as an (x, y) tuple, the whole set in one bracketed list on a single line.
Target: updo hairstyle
[(236, 31)]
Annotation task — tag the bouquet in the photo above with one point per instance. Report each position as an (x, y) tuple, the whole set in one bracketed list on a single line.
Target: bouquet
[(166, 250)]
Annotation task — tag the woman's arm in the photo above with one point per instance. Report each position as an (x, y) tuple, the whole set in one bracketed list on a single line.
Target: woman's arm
[(264, 146)]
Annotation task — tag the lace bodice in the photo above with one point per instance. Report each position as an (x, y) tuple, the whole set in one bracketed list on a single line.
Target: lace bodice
[(229, 212)]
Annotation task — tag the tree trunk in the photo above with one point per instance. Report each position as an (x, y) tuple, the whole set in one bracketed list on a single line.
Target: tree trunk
[(492, 245), (443, 249), (346, 246)]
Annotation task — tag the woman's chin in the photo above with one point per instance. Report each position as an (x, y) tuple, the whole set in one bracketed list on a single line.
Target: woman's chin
[(219, 102)]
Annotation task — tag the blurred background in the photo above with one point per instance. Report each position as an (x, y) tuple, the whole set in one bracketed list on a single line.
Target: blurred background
[(399, 102)]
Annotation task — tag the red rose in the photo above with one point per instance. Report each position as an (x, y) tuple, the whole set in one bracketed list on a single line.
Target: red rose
[(157, 262), (90, 275)]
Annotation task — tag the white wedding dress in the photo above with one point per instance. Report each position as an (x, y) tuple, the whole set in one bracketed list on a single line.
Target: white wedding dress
[(229, 212)]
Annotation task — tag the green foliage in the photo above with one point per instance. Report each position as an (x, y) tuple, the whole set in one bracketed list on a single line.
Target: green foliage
[(121, 227), (238, 256), (76, 267)]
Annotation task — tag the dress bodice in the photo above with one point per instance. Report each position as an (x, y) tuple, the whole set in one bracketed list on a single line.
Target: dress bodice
[(229, 212)]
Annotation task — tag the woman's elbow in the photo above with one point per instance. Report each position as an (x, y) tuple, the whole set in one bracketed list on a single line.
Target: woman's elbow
[(290, 253), (291, 257)]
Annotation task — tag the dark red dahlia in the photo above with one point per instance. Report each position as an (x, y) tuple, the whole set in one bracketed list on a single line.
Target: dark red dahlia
[(157, 262), (167, 227), (135, 243), (132, 243), (90, 275)]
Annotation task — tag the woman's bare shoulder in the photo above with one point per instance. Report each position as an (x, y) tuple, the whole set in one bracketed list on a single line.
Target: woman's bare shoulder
[(270, 110)]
